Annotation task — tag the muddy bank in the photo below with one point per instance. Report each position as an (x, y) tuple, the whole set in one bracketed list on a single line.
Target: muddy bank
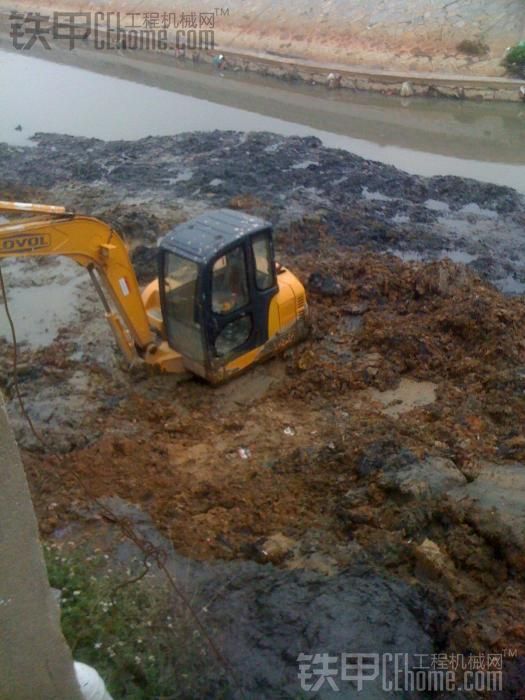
[(373, 475), (149, 184)]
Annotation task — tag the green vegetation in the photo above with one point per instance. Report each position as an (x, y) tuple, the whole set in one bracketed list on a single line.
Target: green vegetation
[(473, 47), (515, 60), (141, 644)]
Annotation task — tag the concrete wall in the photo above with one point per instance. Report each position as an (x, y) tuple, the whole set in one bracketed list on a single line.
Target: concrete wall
[(35, 662)]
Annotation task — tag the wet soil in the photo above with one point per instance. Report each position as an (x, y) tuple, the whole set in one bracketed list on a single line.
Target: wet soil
[(375, 472), (147, 185)]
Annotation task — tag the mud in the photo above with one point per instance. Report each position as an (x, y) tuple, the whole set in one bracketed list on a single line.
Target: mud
[(298, 609), (148, 185), (370, 478)]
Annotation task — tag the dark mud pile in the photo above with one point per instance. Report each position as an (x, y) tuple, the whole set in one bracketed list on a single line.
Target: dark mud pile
[(363, 493), (264, 617), (142, 186)]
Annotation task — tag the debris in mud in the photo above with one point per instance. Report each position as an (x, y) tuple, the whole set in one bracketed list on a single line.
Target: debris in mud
[(325, 285), (145, 263), (134, 223), (420, 479), (275, 548), (433, 563)]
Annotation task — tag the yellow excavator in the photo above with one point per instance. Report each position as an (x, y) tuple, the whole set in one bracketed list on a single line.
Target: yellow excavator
[(220, 303)]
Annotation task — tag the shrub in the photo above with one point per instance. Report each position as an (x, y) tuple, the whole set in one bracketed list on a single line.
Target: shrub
[(140, 645), (515, 60), (473, 47)]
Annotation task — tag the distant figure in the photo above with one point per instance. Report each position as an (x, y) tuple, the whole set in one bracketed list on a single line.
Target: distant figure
[(180, 48), (219, 61), (406, 89), (522, 92), (121, 44), (18, 128), (333, 81)]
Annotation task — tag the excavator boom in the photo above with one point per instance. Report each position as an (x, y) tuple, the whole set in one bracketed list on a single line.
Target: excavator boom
[(94, 245)]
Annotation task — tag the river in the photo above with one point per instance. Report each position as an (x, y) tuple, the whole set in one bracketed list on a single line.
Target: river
[(115, 96)]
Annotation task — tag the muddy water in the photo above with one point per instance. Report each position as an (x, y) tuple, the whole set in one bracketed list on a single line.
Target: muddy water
[(39, 315), (124, 97)]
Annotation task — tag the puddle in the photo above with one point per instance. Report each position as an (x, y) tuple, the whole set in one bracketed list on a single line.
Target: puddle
[(304, 164), (507, 285), (42, 299), (457, 256), (400, 219), (184, 176), (474, 208), (436, 205), (375, 195), (510, 285), (408, 395)]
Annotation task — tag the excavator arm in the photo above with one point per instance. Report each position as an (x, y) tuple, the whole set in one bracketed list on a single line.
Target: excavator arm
[(96, 246)]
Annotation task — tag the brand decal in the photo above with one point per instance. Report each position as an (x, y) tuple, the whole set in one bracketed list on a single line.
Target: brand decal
[(24, 242)]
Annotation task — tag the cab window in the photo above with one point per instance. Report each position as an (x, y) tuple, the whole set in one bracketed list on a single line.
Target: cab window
[(182, 320), (262, 253), (233, 336), (180, 280), (229, 282)]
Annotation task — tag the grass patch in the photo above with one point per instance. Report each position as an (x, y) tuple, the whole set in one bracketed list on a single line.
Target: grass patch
[(515, 60), (141, 644)]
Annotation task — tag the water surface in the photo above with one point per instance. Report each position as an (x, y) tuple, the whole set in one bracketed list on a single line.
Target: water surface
[(125, 97)]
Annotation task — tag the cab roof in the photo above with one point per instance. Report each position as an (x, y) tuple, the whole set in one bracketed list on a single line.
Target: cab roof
[(206, 235)]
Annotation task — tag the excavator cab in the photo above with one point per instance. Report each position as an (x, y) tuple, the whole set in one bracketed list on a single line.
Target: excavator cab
[(224, 303), (220, 302)]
